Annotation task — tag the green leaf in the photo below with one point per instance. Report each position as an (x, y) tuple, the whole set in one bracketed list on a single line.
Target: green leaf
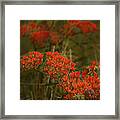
[(44, 61)]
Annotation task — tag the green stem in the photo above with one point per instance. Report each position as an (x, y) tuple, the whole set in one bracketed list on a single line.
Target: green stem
[(70, 54), (66, 45), (51, 97), (48, 80), (32, 95), (53, 49)]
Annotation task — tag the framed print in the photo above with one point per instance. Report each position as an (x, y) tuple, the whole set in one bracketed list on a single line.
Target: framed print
[(60, 59)]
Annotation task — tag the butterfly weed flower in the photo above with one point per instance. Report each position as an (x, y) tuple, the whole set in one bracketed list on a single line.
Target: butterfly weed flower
[(57, 64), (39, 38), (23, 30), (84, 26), (31, 61), (88, 85), (27, 28)]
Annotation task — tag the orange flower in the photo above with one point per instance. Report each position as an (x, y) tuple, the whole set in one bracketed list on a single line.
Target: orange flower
[(87, 85), (39, 37), (57, 64), (31, 61)]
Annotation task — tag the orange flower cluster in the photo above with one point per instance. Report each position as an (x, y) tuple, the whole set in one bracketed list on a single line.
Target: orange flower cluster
[(86, 83), (32, 26), (57, 65), (38, 34), (31, 61), (28, 28), (84, 26), (23, 30), (73, 83), (39, 38)]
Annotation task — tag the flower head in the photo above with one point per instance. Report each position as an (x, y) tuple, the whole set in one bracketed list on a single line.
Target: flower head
[(31, 61), (39, 37), (57, 65)]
